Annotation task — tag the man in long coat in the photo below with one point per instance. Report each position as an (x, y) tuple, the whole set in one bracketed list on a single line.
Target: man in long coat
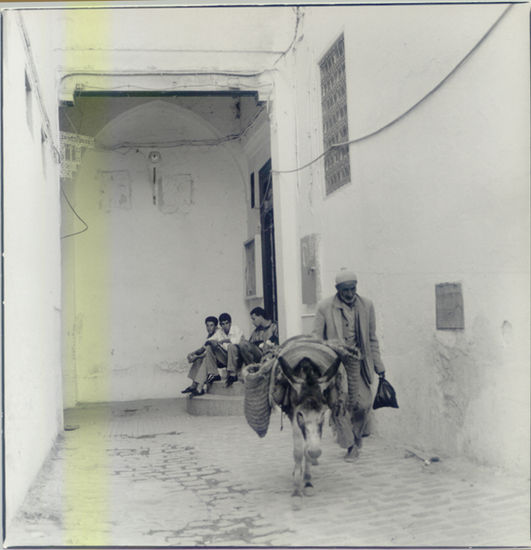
[(349, 319)]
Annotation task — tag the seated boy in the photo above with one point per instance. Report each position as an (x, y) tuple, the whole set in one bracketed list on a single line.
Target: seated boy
[(263, 338), (198, 371), (224, 353)]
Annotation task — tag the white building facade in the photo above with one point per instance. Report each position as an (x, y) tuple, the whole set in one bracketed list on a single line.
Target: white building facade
[(198, 185)]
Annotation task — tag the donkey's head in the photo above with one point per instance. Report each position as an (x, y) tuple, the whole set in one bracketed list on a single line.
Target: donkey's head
[(308, 401)]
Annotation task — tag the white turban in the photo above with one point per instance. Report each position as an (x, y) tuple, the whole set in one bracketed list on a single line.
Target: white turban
[(346, 276)]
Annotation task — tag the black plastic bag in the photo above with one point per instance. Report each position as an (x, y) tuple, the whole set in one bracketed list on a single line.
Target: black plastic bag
[(385, 395)]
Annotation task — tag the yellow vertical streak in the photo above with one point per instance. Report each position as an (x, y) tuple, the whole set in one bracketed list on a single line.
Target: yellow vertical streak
[(86, 270)]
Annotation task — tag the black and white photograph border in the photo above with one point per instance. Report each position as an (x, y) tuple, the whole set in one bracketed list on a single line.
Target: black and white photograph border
[(356, 172)]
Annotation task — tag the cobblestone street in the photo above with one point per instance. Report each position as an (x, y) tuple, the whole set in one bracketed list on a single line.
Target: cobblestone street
[(149, 474)]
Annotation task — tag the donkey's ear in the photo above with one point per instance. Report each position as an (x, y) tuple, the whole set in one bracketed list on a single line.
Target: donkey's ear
[(295, 382), (286, 369), (331, 371)]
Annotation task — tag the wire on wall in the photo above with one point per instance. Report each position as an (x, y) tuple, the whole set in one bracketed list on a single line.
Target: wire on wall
[(170, 144), (35, 78), (439, 85), (185, 142), (234, 74), (77, 216), (74, 128), (255, 86), (297, 23)]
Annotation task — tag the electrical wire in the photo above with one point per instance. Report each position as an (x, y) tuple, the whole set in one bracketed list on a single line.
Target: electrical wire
[(169, 144), (76, 131), (297, 22), (173, 51), (253, 120), (410, 109), (234, 137), (166, 73), (35, 81), (76, 214), (184, 142), (238, 74), (129, 146), (208, 87)]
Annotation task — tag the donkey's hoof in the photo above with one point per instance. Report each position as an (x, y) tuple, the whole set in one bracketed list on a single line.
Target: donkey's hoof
[(309, 490), (296, 502), (353, 454)]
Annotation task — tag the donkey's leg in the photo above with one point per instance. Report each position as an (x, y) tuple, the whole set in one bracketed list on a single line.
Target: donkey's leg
[(308, 486), (298, 455), (313, 434)]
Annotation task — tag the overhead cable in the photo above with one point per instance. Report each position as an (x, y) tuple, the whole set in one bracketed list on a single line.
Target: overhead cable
[(297, 22), (410, 109), (36, 86), (76, 214), (235, 74), (185, 142)]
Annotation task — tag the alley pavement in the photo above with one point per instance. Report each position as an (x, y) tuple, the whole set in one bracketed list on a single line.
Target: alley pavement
[(148, 474)]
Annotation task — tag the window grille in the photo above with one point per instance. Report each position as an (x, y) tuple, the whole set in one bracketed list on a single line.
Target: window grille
[(335, 115)]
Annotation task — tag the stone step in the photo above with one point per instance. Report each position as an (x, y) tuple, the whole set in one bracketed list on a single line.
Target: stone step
[(218, 388), (215, 405)]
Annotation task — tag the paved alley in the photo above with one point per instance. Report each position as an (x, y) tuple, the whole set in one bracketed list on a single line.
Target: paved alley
[(149, 474)]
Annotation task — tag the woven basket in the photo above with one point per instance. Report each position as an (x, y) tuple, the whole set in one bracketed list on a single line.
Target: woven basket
[(256, 400)]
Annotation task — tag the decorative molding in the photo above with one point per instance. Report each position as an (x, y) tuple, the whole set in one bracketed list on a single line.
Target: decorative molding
[(164, 82), (73, 148)]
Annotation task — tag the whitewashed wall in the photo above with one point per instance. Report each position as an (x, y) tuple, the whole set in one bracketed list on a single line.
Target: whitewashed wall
[(32, 283), (439, 197), (147, 46), (165, 267)]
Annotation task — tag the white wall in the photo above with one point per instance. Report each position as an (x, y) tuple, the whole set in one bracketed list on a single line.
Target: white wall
[(166, 41), (32, 369), (171, 40), (158, 273), (439, 197)]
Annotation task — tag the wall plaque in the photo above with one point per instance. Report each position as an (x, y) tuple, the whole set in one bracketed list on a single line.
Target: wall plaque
[(449, 306), (309, 268)]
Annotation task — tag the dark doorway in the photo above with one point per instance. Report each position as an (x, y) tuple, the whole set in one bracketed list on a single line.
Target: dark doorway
[(268, 240)]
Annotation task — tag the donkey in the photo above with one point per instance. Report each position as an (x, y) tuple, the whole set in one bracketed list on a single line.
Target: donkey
[(306, 406)]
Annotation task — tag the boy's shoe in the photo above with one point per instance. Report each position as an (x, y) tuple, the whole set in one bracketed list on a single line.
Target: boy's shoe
[(230, 380), (189, 389), (213, 378), (195, 393)]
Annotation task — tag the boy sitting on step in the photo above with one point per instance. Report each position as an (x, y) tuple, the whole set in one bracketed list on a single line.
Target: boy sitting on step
[(200, 370), (223, 354)]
